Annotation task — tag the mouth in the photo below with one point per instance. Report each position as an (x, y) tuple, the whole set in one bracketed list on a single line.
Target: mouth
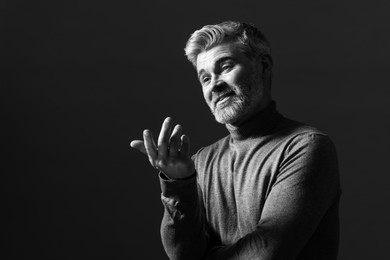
[(223, 98)]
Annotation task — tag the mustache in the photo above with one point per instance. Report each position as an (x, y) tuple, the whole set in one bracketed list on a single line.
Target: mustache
[(223, 94)]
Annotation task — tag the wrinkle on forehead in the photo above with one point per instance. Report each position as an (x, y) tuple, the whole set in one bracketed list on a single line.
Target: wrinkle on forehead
[(208, 59)]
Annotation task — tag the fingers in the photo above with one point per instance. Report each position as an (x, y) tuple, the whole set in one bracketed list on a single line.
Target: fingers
[(174, 143), (163, 138), (139, 145), (172, 146), (150, 146), (185, 146)]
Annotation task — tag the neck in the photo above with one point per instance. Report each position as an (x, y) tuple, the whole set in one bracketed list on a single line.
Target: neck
[(256, 125)]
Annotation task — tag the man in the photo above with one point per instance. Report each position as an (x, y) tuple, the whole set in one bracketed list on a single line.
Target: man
[(268, 190)]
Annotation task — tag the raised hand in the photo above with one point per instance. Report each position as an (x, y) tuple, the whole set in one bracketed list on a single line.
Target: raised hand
[(171, 154)]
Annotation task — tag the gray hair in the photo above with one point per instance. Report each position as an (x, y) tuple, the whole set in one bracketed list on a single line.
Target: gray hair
[(247, 37)]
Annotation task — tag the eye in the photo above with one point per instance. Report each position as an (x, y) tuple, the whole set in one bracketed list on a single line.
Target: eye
[(226, 66), (205, 79)]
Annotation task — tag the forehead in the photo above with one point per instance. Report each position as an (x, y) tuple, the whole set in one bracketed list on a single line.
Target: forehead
[(212, 56)]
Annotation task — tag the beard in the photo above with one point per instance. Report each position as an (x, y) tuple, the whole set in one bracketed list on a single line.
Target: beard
[(247, 96), (233, 110)]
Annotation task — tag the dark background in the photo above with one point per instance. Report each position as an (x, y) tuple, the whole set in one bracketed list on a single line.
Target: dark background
[(81, 79)]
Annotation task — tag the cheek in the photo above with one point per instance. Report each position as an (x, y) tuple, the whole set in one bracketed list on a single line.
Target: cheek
[(251, 82), (207, 96), (240, 78)]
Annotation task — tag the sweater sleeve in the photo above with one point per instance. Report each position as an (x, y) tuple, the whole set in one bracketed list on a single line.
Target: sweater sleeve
[(183, 227), (305, 188)]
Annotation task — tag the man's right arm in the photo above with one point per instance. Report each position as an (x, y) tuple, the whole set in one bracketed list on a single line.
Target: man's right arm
[(183, 226), (183, 229)]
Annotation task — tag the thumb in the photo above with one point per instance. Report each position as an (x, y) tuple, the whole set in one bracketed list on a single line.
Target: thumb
[(139, 145)]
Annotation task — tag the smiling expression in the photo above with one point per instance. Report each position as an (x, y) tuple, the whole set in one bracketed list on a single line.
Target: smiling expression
[(232, 83)]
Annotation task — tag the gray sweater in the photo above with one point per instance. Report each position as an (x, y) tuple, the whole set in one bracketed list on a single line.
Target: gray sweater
[(269, 190)]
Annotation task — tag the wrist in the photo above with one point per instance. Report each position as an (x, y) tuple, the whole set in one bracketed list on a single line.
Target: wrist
[(166, 177)]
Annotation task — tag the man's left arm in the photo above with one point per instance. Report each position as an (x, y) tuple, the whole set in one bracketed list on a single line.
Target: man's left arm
[(307, 186)]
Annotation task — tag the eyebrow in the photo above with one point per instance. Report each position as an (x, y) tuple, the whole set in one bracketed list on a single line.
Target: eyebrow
[(217, 62)]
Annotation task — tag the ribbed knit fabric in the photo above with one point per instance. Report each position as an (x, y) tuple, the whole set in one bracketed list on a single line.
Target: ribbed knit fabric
[(269, 190)]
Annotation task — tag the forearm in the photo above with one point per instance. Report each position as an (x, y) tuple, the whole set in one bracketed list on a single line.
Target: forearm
[(252, 246), (183, 229), (260, 244)]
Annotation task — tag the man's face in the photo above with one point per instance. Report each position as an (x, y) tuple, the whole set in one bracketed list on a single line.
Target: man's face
[(233, 85)]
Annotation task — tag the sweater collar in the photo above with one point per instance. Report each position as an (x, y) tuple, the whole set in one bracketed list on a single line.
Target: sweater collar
[(258, 125)]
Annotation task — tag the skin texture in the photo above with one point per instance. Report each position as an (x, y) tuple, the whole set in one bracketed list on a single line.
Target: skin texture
[(234, 86), (171, 154)]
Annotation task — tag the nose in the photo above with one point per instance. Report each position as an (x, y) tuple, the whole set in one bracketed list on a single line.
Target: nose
[(217, 85)]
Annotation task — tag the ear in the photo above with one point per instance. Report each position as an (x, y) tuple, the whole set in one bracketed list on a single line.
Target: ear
[(266, 63)]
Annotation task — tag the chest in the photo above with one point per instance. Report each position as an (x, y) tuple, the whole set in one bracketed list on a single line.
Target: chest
[(235, 186)]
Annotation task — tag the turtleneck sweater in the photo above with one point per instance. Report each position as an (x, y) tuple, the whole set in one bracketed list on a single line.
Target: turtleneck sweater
[(268, 190)]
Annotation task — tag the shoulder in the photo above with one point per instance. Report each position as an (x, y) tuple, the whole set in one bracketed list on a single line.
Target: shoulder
[(293, 141), (293, 133), (308, 157), (212, 149), (307, 150)]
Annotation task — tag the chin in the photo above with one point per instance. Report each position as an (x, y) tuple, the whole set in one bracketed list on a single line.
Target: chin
[(226, 120), (236, 112), (229, 115)]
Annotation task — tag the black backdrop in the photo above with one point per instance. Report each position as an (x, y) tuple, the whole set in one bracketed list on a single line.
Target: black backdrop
[(80, 79)]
